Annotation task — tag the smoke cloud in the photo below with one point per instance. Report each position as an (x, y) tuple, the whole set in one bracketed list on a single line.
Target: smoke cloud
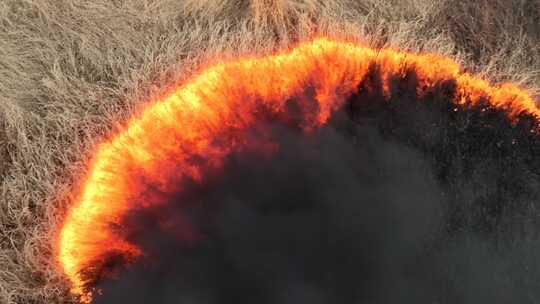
[(404, 199)]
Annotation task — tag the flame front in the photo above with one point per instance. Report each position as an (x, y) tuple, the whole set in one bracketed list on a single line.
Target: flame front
[(204, 118)]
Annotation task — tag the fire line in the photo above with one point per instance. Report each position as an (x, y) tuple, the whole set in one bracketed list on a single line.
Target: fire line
[(205, 116)]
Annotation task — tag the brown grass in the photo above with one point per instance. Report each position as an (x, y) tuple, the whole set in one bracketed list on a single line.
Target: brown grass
[(71, 70)]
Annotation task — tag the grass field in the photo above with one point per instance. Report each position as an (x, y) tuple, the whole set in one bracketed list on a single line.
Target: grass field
[(72, 71)]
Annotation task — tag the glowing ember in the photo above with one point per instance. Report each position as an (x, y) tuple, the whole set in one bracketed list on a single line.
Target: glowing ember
[(203, 120)]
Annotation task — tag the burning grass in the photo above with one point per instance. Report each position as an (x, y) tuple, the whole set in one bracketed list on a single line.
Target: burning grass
[(71, 71)]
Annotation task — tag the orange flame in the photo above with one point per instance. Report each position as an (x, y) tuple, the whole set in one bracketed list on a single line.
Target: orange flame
[(162, 141)]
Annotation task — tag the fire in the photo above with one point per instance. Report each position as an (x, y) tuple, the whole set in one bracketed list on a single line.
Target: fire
[(204, 119)]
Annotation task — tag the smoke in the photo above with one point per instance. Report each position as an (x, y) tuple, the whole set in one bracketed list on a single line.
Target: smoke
[(400, 199)]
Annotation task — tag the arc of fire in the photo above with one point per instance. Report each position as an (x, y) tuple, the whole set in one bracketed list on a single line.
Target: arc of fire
[(163, 140)]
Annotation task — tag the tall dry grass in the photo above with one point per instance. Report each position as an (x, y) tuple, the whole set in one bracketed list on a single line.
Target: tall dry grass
[(72, 71)]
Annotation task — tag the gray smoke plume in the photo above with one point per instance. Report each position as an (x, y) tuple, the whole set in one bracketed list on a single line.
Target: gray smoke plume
[(399, 200)]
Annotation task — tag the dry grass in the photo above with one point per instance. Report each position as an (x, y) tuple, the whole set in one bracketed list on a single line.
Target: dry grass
[(71, 70)]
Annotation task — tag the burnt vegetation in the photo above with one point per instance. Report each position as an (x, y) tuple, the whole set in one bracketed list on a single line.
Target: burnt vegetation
[(485, 160)]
